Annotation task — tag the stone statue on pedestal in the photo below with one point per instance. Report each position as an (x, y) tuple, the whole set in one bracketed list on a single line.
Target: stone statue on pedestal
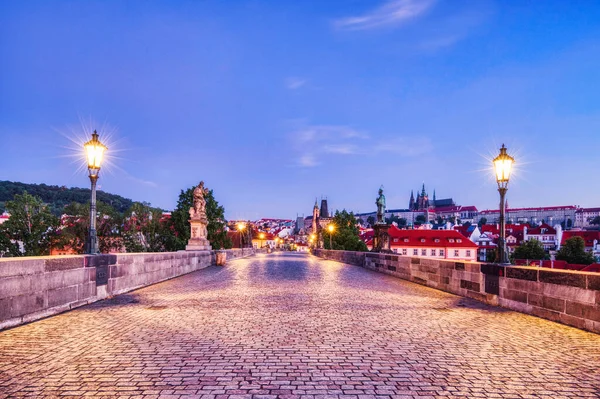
[(381, 238), (198, 221)]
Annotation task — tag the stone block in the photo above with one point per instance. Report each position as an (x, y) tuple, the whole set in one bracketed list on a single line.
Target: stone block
[(86, 291), (489, 268), (14, 286), (415, 261), (515, 305), (75, 277), (476, 295), (21, 267), (593, 282), (470, 285), (572, 279), (590, 312), (392, 268), (573, 321), (473, 267), (545, 314), (523, 285), (459, 266), (518, 296), (569, 293), (5, 309), (64, 263), (25, 304), (62, 296), (522, 274), (546, 302)]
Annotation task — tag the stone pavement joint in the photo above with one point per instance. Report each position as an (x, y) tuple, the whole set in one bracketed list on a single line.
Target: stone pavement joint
[(292, 326)]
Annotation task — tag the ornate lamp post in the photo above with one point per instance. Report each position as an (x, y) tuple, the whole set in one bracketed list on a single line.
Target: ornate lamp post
[(503, 166), (94, 151), (240, 227), (262, 237), (330, 228)]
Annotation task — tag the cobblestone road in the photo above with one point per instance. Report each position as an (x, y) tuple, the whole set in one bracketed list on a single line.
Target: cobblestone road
[(296, 327)]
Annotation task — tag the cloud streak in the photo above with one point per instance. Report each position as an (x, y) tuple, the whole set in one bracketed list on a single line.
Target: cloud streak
[(294, 83), (391, 13)]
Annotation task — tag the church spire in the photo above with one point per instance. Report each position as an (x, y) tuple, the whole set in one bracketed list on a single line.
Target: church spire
[(434, 195), (423, 190)]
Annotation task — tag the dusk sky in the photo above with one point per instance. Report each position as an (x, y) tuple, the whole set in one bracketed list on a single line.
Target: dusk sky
[(274, 103)]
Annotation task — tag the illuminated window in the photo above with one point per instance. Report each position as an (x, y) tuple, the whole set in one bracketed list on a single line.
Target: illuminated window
[(456, 252)]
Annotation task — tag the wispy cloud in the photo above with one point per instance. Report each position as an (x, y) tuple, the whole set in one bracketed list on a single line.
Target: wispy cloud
[(294, 83), (393, 12), (314, 143)]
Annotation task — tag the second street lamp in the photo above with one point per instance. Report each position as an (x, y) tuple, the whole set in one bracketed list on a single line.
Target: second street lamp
[(503, 167), (94, 151), (331, 228), (240, 227), (262, 237)]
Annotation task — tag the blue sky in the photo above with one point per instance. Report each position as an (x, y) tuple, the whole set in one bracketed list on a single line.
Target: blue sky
[(274, 103)]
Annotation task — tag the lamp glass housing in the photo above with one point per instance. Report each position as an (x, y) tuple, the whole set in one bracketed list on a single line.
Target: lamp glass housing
[(503, 166), (94, 151)]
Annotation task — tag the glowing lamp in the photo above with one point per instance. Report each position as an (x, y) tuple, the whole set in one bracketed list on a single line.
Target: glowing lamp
[(503, 165), (94, 151)]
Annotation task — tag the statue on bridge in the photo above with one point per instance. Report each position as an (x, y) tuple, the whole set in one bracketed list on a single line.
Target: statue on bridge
[(198, 221), (381, 238), (380, 202)]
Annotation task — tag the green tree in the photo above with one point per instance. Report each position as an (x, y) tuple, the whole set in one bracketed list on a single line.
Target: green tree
[(532, 249), (30, 224), (371, 220), (145, 230), (420, 219), (180, 223), (573, 251), (396, 219), (482, 221), (346, 234), (595, 221)]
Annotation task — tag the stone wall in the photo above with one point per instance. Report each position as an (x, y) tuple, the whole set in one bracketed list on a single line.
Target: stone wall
[(565, 296), (35, 287)]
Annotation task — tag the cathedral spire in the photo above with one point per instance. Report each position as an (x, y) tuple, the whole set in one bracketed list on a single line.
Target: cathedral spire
[(423, 190)]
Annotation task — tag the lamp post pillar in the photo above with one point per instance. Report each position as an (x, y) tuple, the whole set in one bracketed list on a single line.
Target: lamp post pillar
[(92, 247), (502, 249)]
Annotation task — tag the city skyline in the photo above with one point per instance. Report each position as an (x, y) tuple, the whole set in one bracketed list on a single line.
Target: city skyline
[(273, 105)]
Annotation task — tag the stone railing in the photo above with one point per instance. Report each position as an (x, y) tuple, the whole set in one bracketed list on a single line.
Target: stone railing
[(35, 287), (565, 296)]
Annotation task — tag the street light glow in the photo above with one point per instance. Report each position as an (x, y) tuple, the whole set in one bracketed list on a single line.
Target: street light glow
[(503, 165), (241, 226), (94, 151), (330, 228)]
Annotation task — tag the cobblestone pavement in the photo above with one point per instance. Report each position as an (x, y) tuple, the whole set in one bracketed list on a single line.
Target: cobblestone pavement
[(296, 327)]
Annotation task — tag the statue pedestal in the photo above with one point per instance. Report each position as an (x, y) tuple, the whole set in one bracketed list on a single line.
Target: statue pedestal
[(381, 238), (198, 241)]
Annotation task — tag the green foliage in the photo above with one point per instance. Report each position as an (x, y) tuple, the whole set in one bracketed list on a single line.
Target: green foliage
[(532, 249), (180, 223), (482, 221), (395, 219), (420, 219), (58, 197), (595, 221), (31, 224), (346, 234), (144, 229), (371, 220), (573, 251)]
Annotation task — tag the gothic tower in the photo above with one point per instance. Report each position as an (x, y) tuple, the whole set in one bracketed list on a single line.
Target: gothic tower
[(324, 211), (315, 219)]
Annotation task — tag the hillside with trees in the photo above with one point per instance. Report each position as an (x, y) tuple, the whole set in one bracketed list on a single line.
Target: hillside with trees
[(58, 197)]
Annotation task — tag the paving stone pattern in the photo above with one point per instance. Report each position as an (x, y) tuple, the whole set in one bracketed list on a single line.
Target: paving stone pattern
[(293, 326)]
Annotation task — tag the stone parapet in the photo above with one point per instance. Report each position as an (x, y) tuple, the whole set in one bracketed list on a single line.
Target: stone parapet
[(35, 287), (564, 296)]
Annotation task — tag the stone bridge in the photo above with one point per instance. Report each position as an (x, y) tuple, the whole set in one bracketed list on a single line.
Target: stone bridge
[(295, 326)]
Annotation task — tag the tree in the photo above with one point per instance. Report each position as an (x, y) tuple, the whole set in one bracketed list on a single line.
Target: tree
[(396, 219), (420, 219), (180, 223), (532, 249), (31, 224), (482, 221), (371, 220), (345, 237), (595, 221), (145, 230), (573, 251)]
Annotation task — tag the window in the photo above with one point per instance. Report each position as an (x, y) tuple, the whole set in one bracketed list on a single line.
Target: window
[(433, 252), (404, 251), (456, 253), (441, 252), (395, 251), (451, 240), (423, 252), (459, 240), (395, 240), (406, 240), (468, 253), (415, 252), (437, 240), (422, 240)]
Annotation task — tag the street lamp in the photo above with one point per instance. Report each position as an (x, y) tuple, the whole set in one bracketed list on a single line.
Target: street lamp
[(331, 227), (241, 226), (503, 166), (262, 237), (94, 151)]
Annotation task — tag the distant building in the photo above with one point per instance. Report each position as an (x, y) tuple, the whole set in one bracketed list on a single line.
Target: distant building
[(583, 216), (548, 214), (435, 244)]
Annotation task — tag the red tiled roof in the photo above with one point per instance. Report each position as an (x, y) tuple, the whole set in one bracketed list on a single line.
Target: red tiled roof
[(538, 230), (429, 238), (588, 236)]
